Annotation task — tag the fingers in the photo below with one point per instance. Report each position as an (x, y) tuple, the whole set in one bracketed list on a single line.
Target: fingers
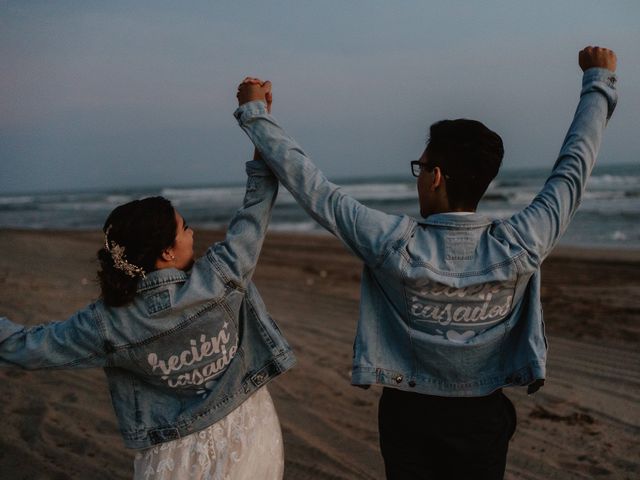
[(269, 98), (253, 88), (252, 80), (256, 81)]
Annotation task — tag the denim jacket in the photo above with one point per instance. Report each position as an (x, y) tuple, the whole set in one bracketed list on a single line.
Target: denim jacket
[(189, 349), (450, 305)]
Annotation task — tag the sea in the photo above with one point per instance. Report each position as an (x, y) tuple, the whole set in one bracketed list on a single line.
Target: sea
[(609, 215)]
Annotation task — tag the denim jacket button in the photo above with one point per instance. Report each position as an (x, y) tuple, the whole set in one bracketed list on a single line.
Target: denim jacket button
[(412, 383), (399, 378)]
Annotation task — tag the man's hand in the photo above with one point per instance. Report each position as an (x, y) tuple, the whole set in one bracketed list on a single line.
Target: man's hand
[(597, 57), (252, 89)]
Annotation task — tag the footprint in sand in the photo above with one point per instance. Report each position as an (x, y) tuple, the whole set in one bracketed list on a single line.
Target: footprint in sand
[(70, 398), (31, 418)]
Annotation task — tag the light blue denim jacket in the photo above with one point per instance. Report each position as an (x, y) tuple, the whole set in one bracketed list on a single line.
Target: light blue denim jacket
[(450, 305), (190, 348)]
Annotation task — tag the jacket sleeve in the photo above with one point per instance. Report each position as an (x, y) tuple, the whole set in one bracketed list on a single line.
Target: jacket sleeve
[(539, 226), (237, 255), (73, 343), (367, 232)]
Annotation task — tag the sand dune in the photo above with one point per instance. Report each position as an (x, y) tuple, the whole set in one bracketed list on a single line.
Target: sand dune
[(585, 422)]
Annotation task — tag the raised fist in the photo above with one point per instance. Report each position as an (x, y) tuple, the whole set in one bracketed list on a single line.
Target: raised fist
[(597, 57)]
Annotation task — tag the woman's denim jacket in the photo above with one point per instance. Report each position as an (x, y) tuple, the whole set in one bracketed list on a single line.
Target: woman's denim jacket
[(190, 348), (449, 305)]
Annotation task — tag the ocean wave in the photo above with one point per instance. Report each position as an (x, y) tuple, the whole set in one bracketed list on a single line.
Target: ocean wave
[(118, 199), (17, 200), (76, 206), (522, 198), (619, 236), (608, 181), (381, 191), (308, 226), (609, 213), (603, 194), (182, 196), (496, 197)]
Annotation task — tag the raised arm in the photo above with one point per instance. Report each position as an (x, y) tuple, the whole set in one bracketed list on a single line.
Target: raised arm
[(540, 225), (237, 255), (369, 233), (73, 343)]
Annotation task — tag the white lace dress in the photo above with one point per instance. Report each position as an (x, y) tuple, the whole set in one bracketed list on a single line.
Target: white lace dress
[(245, 445)]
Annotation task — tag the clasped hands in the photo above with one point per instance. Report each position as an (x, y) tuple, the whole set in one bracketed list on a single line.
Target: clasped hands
[(252, 88)]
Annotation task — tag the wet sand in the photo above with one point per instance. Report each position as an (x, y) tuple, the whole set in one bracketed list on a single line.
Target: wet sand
[(585, 422)]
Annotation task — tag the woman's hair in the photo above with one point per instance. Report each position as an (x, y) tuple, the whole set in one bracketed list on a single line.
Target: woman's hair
[(136, 234)]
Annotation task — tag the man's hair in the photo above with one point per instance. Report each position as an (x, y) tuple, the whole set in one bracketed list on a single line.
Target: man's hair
[(469, 155)]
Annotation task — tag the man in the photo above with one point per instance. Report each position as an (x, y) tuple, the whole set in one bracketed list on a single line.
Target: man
[(450, 309)]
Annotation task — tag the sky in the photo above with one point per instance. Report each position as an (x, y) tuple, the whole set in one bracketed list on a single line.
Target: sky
[(120, 94)]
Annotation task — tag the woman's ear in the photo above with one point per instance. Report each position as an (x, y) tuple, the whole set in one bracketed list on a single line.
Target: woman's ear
[(167, 255)]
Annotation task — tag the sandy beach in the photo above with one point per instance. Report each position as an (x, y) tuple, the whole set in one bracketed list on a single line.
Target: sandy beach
[(583, 424)]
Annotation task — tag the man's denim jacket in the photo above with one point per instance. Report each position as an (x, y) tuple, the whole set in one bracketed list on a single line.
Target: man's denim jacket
[(450, 305), (190, 348)]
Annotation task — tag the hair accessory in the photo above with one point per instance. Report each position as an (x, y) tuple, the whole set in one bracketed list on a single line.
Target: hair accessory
[(118, 256)]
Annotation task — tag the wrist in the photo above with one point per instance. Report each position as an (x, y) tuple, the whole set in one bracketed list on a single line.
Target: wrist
[(250, 110)]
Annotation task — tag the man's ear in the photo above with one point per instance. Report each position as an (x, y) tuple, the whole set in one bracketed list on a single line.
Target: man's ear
[(438, 178)]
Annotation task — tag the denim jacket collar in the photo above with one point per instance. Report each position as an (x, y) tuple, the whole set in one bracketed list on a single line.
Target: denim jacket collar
[(449, 219), (162, 276)]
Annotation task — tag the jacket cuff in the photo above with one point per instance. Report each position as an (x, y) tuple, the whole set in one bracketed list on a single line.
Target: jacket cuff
[(249, 110), (603, 81), (8, 328)]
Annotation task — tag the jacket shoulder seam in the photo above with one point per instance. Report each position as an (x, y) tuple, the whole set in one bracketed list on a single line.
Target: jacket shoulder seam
[(397, 245)]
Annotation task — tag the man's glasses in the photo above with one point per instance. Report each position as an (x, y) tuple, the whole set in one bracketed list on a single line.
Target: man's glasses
[(417, 166)]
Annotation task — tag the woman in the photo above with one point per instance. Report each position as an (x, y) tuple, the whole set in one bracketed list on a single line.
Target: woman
[(187, 345)]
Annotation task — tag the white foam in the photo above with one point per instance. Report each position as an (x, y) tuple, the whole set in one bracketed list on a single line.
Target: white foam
[(18, 200), (607, 180), (618, 235), (294, 226)]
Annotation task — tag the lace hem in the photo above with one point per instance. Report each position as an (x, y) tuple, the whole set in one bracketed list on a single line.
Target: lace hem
[(246, 444)]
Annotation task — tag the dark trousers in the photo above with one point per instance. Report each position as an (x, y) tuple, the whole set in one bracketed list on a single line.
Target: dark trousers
[(441, 438)]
